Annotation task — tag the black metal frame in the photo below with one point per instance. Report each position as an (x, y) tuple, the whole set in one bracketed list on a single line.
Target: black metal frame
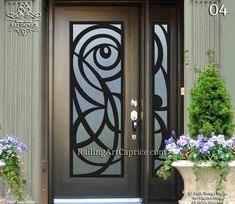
[(145, 64), (99, 23)]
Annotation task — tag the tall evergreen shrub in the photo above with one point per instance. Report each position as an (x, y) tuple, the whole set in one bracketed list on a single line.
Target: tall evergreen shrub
[(211, 108)]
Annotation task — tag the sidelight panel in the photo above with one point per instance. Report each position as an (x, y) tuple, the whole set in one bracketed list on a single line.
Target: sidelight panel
[(160, 91)]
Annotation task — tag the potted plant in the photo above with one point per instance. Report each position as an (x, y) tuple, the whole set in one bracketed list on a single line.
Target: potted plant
[(205, 159), (10, 166)]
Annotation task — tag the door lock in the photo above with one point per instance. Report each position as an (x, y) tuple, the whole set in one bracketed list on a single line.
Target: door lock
[(134, 115), (133, 137), (134, 118)]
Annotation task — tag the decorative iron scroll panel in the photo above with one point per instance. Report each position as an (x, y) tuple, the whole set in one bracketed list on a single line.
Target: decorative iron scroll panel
[(160, 91), (96, 102)]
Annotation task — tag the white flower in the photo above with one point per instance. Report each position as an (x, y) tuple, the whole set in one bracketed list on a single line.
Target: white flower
[(227, 155)]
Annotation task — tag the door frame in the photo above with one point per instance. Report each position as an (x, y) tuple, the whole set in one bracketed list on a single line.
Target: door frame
[(145, 70)]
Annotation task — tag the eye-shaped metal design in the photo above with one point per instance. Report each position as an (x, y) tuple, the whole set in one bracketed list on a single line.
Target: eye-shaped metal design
[(96, 106), (160, 91)]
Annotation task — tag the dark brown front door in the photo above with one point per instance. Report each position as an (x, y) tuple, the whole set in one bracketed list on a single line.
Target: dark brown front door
[(96, 76), (102, 94)]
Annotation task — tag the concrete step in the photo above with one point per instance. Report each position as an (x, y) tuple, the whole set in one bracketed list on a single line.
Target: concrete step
[(99, 201)]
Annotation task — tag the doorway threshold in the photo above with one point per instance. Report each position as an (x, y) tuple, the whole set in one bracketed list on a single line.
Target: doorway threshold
[(99, 200)]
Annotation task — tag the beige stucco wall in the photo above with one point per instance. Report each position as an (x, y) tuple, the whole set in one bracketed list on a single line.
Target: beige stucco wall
[(227, 47)]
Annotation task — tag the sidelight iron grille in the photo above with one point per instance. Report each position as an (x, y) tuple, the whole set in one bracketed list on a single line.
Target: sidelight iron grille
[(160, 91), (96, 102)]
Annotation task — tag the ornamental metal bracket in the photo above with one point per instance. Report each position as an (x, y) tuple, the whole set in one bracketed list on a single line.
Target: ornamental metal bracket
[(23, 21)]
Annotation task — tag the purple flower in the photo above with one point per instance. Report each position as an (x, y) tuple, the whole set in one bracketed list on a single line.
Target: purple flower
[(9, 142), (228, 143), (233, 138), (2, 141), (214, 138), (170, 147), (200, 146), (206, 148), (220, 139), (192, 143), (4, 149), (182, 142), (12, 140), (169, 141), (201, 138), (210, 143), (23, 147), (200, 141), (177, 150), (185, 137)]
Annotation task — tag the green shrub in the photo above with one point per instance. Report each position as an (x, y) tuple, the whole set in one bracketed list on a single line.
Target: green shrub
[(211, 108)]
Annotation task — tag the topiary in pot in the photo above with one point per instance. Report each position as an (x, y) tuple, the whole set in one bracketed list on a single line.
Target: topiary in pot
[(210, 109), (211, 127)]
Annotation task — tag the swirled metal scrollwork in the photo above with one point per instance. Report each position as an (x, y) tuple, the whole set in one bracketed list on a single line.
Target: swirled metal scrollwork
[(96, 87), (160, 94)]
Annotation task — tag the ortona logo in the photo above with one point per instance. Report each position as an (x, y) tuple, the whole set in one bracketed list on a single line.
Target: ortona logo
[(23, 21)]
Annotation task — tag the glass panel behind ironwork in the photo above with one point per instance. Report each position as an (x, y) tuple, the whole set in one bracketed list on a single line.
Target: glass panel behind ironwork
[(160, 92), (96, 101)]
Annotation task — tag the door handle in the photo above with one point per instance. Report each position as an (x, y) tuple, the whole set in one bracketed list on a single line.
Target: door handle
[(134, 119)]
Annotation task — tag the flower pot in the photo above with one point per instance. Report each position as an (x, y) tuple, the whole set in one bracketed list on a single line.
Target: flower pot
[(202, 189), (2, 165)]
